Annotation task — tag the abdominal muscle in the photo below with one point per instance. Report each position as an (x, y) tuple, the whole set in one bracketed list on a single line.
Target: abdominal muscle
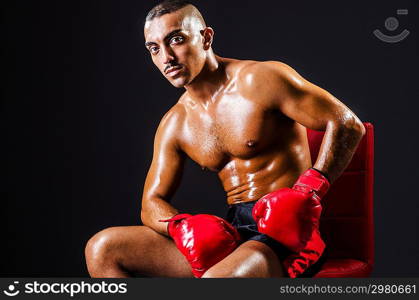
[(250, 179)]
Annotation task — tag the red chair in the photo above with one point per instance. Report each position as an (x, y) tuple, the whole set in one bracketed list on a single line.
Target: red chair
[(346, 224)]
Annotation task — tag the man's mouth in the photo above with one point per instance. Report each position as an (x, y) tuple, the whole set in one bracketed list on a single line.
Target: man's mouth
[(173, 71)]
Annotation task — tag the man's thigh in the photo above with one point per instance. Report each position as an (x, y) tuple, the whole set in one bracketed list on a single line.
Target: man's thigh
[(250, 259), (142, 251)]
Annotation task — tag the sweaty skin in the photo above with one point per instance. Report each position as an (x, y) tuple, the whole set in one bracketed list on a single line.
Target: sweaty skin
[(244, 120), (250, 132)]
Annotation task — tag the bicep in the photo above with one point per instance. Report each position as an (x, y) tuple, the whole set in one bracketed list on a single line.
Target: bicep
[(306, 103), (165, 171), (166, 168)]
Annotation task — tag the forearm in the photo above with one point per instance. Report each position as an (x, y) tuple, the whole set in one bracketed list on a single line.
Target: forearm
[(155, 209), (339, 145)]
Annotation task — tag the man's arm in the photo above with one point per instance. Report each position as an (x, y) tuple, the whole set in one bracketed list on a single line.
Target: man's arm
[(164, 174), (314, 108), (291, 215)]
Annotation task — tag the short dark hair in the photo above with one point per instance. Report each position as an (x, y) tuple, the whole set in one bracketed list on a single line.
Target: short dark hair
[(166, 7)]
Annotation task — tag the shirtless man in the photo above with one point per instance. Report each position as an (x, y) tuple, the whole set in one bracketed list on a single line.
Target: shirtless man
[(245, 120)]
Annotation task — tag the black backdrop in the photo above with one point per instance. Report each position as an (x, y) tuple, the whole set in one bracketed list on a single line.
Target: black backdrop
[(81, 101)]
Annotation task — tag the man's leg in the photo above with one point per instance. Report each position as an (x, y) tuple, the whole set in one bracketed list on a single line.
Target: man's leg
[(250, 259), (128, 251)]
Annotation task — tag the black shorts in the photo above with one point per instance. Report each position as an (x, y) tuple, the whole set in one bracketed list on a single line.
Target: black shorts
[(240, 216)]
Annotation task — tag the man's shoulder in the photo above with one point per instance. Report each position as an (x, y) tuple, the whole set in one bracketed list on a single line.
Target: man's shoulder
[(174, 116), (169, 128), (249, 70), (259, 80)]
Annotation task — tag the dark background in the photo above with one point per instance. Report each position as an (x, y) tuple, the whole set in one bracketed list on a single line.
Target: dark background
[(81, 101)]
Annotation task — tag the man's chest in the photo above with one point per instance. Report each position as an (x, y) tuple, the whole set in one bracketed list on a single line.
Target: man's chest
[(235, 128)]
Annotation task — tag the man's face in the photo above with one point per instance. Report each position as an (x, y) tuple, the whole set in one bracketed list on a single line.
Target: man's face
[(176, 46)]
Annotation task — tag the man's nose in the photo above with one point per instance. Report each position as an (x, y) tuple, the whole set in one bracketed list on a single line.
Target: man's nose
[(168, 55)]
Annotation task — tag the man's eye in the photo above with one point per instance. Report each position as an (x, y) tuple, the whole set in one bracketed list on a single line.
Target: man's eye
[(176, 40), (154, 50)]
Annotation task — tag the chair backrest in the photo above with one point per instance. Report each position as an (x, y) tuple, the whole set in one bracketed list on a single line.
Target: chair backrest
[(346, 224)]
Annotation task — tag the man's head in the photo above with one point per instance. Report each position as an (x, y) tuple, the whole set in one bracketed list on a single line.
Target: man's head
[(178, 40)]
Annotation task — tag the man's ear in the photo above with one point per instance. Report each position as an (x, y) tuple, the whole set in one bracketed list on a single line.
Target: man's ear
[(208, 36)]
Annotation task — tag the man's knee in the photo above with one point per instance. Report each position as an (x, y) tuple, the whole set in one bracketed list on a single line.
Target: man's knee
[(101, 245), (218, 274), (231, 273)]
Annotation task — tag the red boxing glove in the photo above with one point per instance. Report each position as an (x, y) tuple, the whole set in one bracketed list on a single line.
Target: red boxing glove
[(203, 239), (290, 215), (295, 264)]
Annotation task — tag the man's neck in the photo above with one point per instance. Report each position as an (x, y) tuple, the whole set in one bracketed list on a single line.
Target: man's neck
[(207, 85)]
